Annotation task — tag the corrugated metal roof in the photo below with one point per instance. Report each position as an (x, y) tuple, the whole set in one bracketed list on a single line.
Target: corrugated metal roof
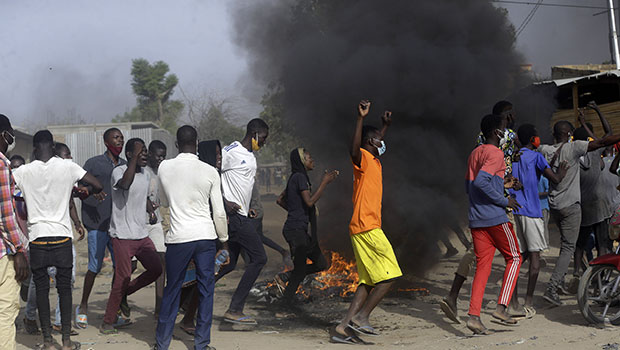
[(560, 82)]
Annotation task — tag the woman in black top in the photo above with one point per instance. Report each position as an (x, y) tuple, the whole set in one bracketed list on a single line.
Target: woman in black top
[(300, 202)]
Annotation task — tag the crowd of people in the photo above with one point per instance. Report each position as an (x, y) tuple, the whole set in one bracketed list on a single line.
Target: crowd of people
[(515, 185), (188, 219)]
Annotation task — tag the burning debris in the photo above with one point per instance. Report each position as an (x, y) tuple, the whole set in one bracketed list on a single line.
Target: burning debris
[(340, 280)]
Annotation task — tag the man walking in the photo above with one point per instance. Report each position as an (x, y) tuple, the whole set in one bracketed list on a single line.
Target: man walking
[(238, 173), (191, 188)]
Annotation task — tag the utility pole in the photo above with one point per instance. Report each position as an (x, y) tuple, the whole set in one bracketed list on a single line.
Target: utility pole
[(614, 34)]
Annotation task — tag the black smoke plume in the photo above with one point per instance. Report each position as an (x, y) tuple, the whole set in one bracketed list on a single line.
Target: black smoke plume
[(439, 65)]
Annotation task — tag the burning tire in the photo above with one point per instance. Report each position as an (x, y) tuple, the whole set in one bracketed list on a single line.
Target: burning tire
[(599, 294)]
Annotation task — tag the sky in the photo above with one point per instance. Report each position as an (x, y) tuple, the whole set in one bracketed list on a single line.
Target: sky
[(64, 60)]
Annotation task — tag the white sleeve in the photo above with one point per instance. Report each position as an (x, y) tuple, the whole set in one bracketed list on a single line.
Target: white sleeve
[(76, 171), (219, 214), (226, 160), (117, 174)]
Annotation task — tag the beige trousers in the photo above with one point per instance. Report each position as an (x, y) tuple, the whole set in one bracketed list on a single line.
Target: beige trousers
[(9, 303)]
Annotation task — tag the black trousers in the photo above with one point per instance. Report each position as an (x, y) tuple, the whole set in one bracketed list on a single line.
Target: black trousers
[(43, 256), (242, 235), (302, 248)]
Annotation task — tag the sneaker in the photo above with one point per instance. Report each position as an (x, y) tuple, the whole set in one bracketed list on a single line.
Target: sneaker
[(551, 296)]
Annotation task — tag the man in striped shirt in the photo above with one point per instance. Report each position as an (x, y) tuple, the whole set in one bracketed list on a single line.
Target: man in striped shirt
[(13, 263)]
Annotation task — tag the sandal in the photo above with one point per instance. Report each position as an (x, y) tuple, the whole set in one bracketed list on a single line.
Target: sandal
[(122, 322), (111, 331), (81, 320), (337, 338), (364, 330), (188, 330), (504, 321), (58, 329), (449, 311), (247, 320)]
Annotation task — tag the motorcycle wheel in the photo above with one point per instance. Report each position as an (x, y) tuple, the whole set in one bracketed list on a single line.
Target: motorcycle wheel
[(597, 302)]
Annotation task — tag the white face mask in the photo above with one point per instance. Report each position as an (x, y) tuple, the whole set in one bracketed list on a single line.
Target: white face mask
[(503, 138), (11, 146)]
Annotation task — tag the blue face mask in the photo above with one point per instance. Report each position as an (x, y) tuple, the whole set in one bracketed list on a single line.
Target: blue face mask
[(381, 149)]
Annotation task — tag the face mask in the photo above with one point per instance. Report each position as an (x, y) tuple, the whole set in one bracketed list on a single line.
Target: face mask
[(114, 150), (10, 146), (503, 138), (255, 146), (536, 141), (382, 148)]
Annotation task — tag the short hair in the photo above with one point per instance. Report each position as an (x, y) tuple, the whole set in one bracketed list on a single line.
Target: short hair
[(525, 133), (17, 157), (257, 125), (581, 133), (131, 144), (110, 130), (489, 123), (500, 107), (43, 137), (5, 123), (368, 132), (561, 127), (59, 147), (186, 135), (156, 145)]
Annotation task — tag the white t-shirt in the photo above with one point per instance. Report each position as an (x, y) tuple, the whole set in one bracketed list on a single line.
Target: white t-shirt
[(238, 171), (47, 188), (129, 215), (187, 185)]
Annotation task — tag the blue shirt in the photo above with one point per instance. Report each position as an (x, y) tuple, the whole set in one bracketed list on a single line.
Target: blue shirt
[(528, 170), (543, 186), (485, 187)]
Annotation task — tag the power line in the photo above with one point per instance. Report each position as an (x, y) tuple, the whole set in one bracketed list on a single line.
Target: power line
[(549, 4), (528, 18)]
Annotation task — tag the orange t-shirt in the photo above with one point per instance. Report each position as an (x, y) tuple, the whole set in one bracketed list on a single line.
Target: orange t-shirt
[(367, 194)]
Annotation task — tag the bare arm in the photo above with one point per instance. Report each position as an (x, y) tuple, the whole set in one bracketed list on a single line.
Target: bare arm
[(92, 181), (606, 127), (603, 142), (556, 177), (311, 198), (132, 166), (356, 143), (582, 121)]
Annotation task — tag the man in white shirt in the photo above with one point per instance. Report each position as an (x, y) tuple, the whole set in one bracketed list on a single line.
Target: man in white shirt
[(156, 154), (128, 233), (47, 184), (191, 188), (238, 172)]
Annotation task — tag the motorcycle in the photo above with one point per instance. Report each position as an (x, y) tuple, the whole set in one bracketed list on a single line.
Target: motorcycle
[(599, 290)]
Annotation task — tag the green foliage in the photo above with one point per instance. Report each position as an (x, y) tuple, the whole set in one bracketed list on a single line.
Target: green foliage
[(153, 86)]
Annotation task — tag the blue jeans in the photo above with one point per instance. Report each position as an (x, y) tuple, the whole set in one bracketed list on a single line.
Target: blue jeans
[(177, 259), (97, 242)]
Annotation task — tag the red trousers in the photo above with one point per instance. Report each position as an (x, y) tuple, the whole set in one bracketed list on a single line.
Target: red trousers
[(486, 241)]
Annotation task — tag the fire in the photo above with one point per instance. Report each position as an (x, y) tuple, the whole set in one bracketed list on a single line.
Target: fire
[(341, 273)]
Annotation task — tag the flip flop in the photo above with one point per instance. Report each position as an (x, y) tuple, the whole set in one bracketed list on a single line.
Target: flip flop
[(188, 330), (122, 322), (112, 331), (337, 338), (58, 329), (478, 331), (247, 320), (81, 320), (529, 312), (364, 330), (449, 311), (504, 322)]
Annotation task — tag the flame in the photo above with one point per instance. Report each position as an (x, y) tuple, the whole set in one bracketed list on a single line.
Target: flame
[(341, 273)]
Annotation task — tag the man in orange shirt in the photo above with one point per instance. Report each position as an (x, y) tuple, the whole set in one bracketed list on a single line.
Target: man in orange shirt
[(376, 263)]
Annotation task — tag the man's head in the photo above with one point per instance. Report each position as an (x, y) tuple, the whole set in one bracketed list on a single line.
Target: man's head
[(7, 135), (17, 161), (258, 130), (133, 149), (187, 139), (61, 150), (527, 135), (562, 131), (371, 139), (43, 144), (492, 127), (157, 153), (506, 110), (581, 133), (113, 140)]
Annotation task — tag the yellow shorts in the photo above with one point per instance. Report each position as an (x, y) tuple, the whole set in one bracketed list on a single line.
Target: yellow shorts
[(375, 258)]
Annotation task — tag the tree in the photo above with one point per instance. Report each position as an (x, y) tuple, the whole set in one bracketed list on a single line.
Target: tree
[(153, 86), (213, 118), (281, 132)]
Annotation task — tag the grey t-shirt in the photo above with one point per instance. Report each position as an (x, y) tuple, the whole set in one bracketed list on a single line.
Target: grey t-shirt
[(567, 192), (594, 203), (610, 186), (129, 215)]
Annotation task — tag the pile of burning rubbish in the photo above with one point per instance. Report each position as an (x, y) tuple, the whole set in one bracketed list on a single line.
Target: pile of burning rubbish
[(340, 280)]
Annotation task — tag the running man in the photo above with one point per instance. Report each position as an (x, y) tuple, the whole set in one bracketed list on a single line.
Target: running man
[(375, 260)]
